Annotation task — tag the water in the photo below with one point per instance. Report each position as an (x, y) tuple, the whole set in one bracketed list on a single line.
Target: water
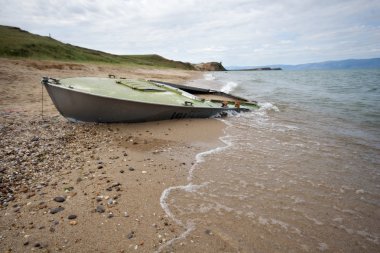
[(301, 174)]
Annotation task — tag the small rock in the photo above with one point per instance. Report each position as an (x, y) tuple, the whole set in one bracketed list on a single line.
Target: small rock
[(111, 202), (115, 184), (42, 205), (26, 243), (68, 189), (56, 210), (131, 235), (73, 222), (31, 194), (72, 217), (144, 172), (35, 138), (122, 171), (131, 169), (100, 209), (100, 167), (37, 245), (59, 199), (110, 215)]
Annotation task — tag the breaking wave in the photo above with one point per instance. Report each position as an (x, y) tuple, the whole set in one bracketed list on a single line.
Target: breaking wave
[(229, 86), (209, 77)]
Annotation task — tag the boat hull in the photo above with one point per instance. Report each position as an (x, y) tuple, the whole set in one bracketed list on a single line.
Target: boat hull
[(79, 106)]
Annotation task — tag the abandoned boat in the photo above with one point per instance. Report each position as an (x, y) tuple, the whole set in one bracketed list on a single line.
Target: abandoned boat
[(111, 100)]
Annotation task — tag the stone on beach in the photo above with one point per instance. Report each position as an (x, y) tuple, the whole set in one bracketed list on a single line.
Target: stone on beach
[(100, 209), (59, 199), (72, 217), (56, 210)]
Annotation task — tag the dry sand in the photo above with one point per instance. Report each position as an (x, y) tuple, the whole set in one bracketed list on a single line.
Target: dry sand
[(108, 177)]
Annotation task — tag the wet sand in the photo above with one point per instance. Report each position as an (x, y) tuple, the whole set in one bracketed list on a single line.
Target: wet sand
[(75, 187)]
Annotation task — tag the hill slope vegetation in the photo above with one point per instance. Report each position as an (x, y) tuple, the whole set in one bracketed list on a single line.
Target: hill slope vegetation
[(17, 43)]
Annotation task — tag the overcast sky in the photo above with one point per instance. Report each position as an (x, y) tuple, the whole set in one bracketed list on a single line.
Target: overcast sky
[(235, 32)]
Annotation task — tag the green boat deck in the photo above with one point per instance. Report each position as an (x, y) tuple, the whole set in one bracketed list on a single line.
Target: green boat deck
[(135, 90)]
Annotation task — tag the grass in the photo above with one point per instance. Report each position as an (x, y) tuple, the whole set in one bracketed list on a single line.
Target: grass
[(17, 43)]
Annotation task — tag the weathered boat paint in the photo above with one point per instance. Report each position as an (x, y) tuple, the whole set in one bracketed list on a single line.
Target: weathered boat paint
[(112, 100)]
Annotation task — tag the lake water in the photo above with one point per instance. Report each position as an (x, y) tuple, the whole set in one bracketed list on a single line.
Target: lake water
[(301, 174)]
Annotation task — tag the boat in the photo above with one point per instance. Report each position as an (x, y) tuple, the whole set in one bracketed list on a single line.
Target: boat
[(117, 100)]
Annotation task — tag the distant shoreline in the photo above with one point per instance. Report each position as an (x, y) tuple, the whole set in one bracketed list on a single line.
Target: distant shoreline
[(257, 69), (372, 63)]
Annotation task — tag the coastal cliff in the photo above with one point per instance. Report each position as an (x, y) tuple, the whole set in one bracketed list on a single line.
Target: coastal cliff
[(209, 66)]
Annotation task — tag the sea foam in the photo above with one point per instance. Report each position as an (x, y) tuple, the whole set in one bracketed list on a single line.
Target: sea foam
[(190, 187), (229, 86), (209, 77)]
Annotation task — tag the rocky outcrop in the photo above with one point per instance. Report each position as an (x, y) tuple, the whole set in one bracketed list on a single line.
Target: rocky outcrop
[(209, 66)]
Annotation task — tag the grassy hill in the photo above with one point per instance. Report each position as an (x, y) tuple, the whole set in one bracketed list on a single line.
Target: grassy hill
[(17, 43)]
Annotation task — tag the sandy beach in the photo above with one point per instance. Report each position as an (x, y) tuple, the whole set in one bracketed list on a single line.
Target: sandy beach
[(75, 187)]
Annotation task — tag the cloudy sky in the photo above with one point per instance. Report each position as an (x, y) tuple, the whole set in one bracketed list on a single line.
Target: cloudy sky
[(235, 32)]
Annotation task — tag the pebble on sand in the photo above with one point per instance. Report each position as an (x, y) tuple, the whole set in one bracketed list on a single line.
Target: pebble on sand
[(72, 217), (100, 209), (59, 199), (56, 210)]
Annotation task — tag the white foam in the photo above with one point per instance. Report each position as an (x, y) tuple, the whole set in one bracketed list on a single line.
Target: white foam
[(190, 226), (188, 188), (323, 246), (230, 86), (266, 106), (370, 237), (316, 222), (229, 114), (199, 158), (209, 77)]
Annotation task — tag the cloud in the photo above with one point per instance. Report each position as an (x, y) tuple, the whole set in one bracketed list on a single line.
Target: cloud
[(240, 32)]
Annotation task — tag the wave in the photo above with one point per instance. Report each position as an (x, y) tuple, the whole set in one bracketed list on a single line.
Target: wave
[(209, 77), (229, 86), (266, 106)]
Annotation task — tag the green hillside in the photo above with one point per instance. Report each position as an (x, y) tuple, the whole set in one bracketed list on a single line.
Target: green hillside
[(17, 43)]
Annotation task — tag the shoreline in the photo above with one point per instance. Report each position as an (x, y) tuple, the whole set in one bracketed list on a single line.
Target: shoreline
[(89, 187), (189, 186)]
